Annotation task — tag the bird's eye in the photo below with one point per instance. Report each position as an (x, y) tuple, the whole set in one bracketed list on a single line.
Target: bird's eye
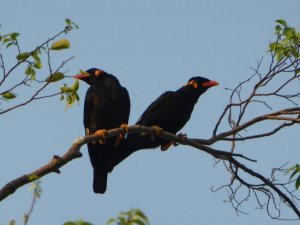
[(97, 72), (193, 83)]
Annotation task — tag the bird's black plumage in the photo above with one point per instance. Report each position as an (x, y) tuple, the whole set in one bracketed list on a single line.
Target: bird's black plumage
[(170, 111), (106, 106)]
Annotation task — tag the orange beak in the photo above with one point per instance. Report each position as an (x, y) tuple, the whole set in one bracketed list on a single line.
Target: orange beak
[(210, 83), (80, 76)]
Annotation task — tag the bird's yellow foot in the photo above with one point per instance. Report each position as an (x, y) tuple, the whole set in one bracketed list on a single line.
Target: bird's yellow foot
[(157, 129), (174, 143), (125, 130), (87, 133), (166, 146), (101, 134), (122, 134)]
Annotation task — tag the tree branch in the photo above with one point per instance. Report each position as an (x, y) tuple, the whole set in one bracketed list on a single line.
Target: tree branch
[(74, 152)]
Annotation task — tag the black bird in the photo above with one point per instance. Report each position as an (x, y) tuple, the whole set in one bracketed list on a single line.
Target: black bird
[(170, 111), (106, 106)]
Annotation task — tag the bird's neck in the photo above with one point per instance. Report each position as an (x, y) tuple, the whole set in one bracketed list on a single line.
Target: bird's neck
[(191, 93)]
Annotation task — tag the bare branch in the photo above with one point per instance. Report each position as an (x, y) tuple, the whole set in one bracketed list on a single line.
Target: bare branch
[(74, 152)]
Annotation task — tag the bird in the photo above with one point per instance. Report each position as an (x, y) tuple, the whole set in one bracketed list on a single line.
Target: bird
[(106, 106), (170, 111)]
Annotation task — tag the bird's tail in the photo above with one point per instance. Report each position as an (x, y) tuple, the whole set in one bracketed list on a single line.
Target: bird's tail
[(100, 179), (131, 144)]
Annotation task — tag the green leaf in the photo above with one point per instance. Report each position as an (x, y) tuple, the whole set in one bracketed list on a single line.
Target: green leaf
[(36, 57), (282, 22), (8, 95), (75, 86), (273, 46), (66, 89), (22, 56), (61, 44), (122, 220), (9, 44), (69, 223), (110, 221), (141, 214), (290, 170), (139, 222), (68, 21), (289, 32), (77, 97), (55, 77), (38, 65), (84, 72), (12, 222), (293, 174), (278, 28), (14, 35), (32, 75), (279, 56), (82, 222), (297, 184), (28, 70), (6, 40)]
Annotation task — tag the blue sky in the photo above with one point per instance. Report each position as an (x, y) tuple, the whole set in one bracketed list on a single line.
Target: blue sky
[(151, 46)]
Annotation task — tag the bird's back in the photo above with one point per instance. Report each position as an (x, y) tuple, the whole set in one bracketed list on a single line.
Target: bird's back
[(107, 106)]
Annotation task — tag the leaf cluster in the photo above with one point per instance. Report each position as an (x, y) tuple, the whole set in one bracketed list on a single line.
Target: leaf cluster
[(9, 39), (287, 43), (70, 93), (33, 65), (77, 222), (131, 217), (295, 170)]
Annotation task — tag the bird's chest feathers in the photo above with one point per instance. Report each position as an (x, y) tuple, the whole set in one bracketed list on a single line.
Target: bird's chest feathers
[(181, 106)]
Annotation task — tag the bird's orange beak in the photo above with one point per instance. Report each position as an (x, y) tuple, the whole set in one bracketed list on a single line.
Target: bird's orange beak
[(81, 75), (210, 83)]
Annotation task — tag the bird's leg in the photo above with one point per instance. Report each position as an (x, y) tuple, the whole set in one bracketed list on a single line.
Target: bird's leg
[(174, 143), (157, 129), (125, 130), (101, 134), (88, 132), (122, 134)]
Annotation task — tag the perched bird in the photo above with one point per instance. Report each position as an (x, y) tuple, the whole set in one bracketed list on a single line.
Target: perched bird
[(170, 111), (106, 106)]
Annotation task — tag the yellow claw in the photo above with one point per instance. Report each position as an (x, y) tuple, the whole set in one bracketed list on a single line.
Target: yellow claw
[(166, 146), (101, 134), (122, 134), (157, 129), (125, 130), (174, 143)]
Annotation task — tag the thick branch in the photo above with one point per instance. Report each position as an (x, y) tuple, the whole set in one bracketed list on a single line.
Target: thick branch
[(74, 152)]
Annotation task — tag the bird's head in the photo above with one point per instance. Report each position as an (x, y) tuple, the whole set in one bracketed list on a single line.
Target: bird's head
[(201, 84), (90, 75)]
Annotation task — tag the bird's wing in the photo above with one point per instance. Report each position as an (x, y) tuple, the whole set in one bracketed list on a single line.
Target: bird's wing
[(88, 106), (126, 105), (155, 105)]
